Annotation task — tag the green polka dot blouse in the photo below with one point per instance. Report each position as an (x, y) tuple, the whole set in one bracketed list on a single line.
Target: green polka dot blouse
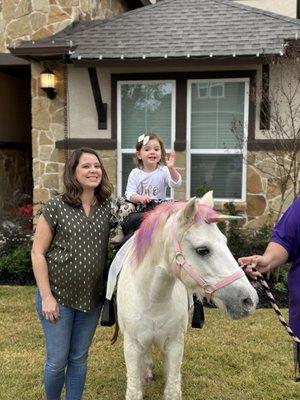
[(78, 252)]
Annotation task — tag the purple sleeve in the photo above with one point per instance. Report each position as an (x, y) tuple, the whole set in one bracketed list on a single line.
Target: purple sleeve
[(287, 231)]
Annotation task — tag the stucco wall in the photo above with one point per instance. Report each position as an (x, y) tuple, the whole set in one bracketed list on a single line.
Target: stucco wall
[(284, 7), (82, 111)]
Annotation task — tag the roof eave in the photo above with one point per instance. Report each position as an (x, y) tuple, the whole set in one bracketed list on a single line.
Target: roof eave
[(252, 58), (42, 52)]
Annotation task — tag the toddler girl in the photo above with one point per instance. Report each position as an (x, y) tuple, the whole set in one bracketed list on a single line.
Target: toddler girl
[(148, 182)]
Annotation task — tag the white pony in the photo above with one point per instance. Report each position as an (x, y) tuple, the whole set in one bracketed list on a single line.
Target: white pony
[(177, 251)]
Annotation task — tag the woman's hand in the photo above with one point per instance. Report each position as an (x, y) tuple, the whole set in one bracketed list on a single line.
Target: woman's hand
[(50, 309), (274, 256), (260, 263)]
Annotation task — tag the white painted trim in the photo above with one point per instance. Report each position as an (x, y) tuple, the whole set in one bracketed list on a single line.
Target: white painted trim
[(119, 154), (242, 151), (245, 139), (188, 140), (121, 151), (216, 151)]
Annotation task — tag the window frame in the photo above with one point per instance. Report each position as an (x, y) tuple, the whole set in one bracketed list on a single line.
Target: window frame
[(121, 151), (243, 151)]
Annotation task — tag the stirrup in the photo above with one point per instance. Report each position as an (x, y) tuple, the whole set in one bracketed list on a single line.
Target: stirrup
[(108, 317), (198, 314)]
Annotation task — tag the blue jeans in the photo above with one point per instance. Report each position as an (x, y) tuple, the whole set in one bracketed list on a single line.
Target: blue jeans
[(67, 346)]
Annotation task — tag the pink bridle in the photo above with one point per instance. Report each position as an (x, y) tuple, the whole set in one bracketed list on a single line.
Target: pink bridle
[(208, 289)]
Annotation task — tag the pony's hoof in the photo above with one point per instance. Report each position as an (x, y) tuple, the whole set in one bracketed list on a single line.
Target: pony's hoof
[(149, 379)]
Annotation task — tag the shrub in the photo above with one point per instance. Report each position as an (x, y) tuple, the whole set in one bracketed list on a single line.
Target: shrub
[(245, 242), (15, 244), (15, 267)]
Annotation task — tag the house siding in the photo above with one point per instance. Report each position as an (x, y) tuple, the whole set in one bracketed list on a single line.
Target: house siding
[(286, 7)]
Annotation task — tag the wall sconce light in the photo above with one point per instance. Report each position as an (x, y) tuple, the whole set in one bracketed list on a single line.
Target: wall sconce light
[(48, 83)]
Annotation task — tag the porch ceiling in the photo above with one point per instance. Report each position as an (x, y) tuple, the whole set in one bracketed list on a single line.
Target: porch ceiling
[(8, 60), (173, 29)]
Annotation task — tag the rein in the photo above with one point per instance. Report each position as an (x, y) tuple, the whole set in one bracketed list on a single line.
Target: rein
[(281, 319), (208, 289)]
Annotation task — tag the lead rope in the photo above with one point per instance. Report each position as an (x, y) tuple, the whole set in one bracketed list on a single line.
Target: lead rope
[(296, 340)]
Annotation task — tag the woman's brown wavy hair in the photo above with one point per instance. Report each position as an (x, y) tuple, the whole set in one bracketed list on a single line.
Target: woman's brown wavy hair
[(73, 188)]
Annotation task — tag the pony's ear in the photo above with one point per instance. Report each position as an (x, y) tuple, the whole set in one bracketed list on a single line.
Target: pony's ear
[(207, 199), (187, 214)]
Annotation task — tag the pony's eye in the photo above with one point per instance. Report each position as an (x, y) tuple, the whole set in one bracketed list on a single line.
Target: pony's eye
[(202, 251)]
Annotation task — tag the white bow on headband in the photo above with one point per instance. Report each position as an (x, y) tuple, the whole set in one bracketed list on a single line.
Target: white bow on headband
[(143, 138)]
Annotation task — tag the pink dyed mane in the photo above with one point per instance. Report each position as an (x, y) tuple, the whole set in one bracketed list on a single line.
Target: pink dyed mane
[(154, 219)]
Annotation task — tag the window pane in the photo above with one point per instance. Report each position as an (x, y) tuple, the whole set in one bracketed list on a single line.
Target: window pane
[(127, 165), (220, 173), (145, 107), (217, 115)]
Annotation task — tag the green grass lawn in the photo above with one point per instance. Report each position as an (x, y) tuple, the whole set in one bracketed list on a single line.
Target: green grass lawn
[(250, 359)]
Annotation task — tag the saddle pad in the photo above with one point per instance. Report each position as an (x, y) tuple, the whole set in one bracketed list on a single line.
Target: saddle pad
[(116, 267)]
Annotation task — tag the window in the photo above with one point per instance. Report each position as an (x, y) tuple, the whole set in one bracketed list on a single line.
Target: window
[(143, 106), (210, 90), (217, 123)]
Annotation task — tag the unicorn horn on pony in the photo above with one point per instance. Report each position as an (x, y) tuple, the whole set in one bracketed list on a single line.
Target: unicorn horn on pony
[(222, 217), (212, 216)]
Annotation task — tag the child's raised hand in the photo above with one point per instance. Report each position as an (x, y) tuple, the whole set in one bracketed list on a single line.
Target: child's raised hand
[(171, 159)]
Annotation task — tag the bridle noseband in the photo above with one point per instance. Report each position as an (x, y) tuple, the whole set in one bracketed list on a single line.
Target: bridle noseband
[(208, 289)]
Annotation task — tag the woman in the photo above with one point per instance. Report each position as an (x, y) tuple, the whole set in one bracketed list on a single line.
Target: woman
[(68, 258)]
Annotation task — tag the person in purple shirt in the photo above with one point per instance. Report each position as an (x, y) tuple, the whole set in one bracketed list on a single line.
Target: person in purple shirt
[(284, 246)]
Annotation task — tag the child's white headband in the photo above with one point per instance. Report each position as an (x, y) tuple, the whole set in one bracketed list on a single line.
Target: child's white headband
[(144, 139)]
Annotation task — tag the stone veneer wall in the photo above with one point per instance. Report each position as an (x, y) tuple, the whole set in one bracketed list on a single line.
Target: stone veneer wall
[(263, 191), (37, 19), (48, 126)]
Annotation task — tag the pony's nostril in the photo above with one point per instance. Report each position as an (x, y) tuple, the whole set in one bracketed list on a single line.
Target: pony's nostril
[(247, 303)]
